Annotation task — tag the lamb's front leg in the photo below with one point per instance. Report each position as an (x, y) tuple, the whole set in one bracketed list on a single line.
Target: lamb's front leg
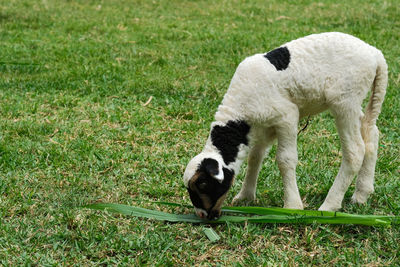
[(286, 157), (262, 145), (248, 191)]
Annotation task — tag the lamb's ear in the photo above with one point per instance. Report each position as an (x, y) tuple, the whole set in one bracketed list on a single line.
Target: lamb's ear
[(211, 167)]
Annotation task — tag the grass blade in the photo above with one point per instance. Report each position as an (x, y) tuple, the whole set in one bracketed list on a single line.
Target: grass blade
[(211, 234), (145, 213), (260, 215), (394, 220), (340, 216)]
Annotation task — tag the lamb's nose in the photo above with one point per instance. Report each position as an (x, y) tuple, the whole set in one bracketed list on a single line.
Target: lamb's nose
[(214, 214), (201, 213)]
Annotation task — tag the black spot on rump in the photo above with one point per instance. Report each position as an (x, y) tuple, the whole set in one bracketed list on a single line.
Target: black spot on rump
[(228, 138), (279, 57)]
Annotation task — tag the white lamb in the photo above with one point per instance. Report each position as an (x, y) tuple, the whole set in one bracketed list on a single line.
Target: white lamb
[(268, 95)]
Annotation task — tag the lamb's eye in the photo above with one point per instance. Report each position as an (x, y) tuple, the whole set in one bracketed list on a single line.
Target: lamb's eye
[(202, 185)]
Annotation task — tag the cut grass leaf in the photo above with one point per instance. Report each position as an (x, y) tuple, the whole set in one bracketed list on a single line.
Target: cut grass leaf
[(294, 212), (145, 213), (211, 234), (315, 213), (258, 215)]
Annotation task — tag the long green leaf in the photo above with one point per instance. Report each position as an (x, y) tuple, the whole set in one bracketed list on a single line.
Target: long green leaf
[(283, 211), (145, 213), (312, 213), (263, 215)]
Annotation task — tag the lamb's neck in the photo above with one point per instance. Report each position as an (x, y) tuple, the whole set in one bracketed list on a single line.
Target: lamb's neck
[(236, 164), (225, 113), (229, 141)]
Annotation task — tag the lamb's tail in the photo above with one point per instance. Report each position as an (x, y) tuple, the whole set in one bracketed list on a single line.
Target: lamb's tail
[(378, 93)]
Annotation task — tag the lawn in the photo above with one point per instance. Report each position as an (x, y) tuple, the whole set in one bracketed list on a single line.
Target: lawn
[(107, 101)]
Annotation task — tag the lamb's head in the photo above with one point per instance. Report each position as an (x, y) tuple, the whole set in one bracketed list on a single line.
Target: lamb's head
[(208, 182)]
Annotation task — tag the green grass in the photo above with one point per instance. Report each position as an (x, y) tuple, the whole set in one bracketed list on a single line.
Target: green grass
[(74, 77)]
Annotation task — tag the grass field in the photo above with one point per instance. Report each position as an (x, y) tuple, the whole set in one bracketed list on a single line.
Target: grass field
[(74, 80)]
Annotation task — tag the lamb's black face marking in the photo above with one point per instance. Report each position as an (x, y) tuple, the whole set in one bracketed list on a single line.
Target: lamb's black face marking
[(279, 57), (228, 138), (209, 166), (206, 192)]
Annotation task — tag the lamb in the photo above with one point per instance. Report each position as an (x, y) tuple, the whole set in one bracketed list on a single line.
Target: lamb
[(268, 95)]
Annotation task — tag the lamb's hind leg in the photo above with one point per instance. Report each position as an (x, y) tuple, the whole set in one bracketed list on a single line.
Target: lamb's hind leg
[(256, 155), (286, 157), (365, 179), (349, 127)]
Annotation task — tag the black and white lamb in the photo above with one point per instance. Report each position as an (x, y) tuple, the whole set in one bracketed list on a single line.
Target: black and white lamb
[(268, 95)]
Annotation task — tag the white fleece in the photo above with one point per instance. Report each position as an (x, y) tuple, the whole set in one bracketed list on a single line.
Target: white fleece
[(331, 71)]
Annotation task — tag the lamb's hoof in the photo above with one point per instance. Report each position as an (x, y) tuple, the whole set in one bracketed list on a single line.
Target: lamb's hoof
[(327, 207), (243, 199), (359, 198), (294, 206)]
